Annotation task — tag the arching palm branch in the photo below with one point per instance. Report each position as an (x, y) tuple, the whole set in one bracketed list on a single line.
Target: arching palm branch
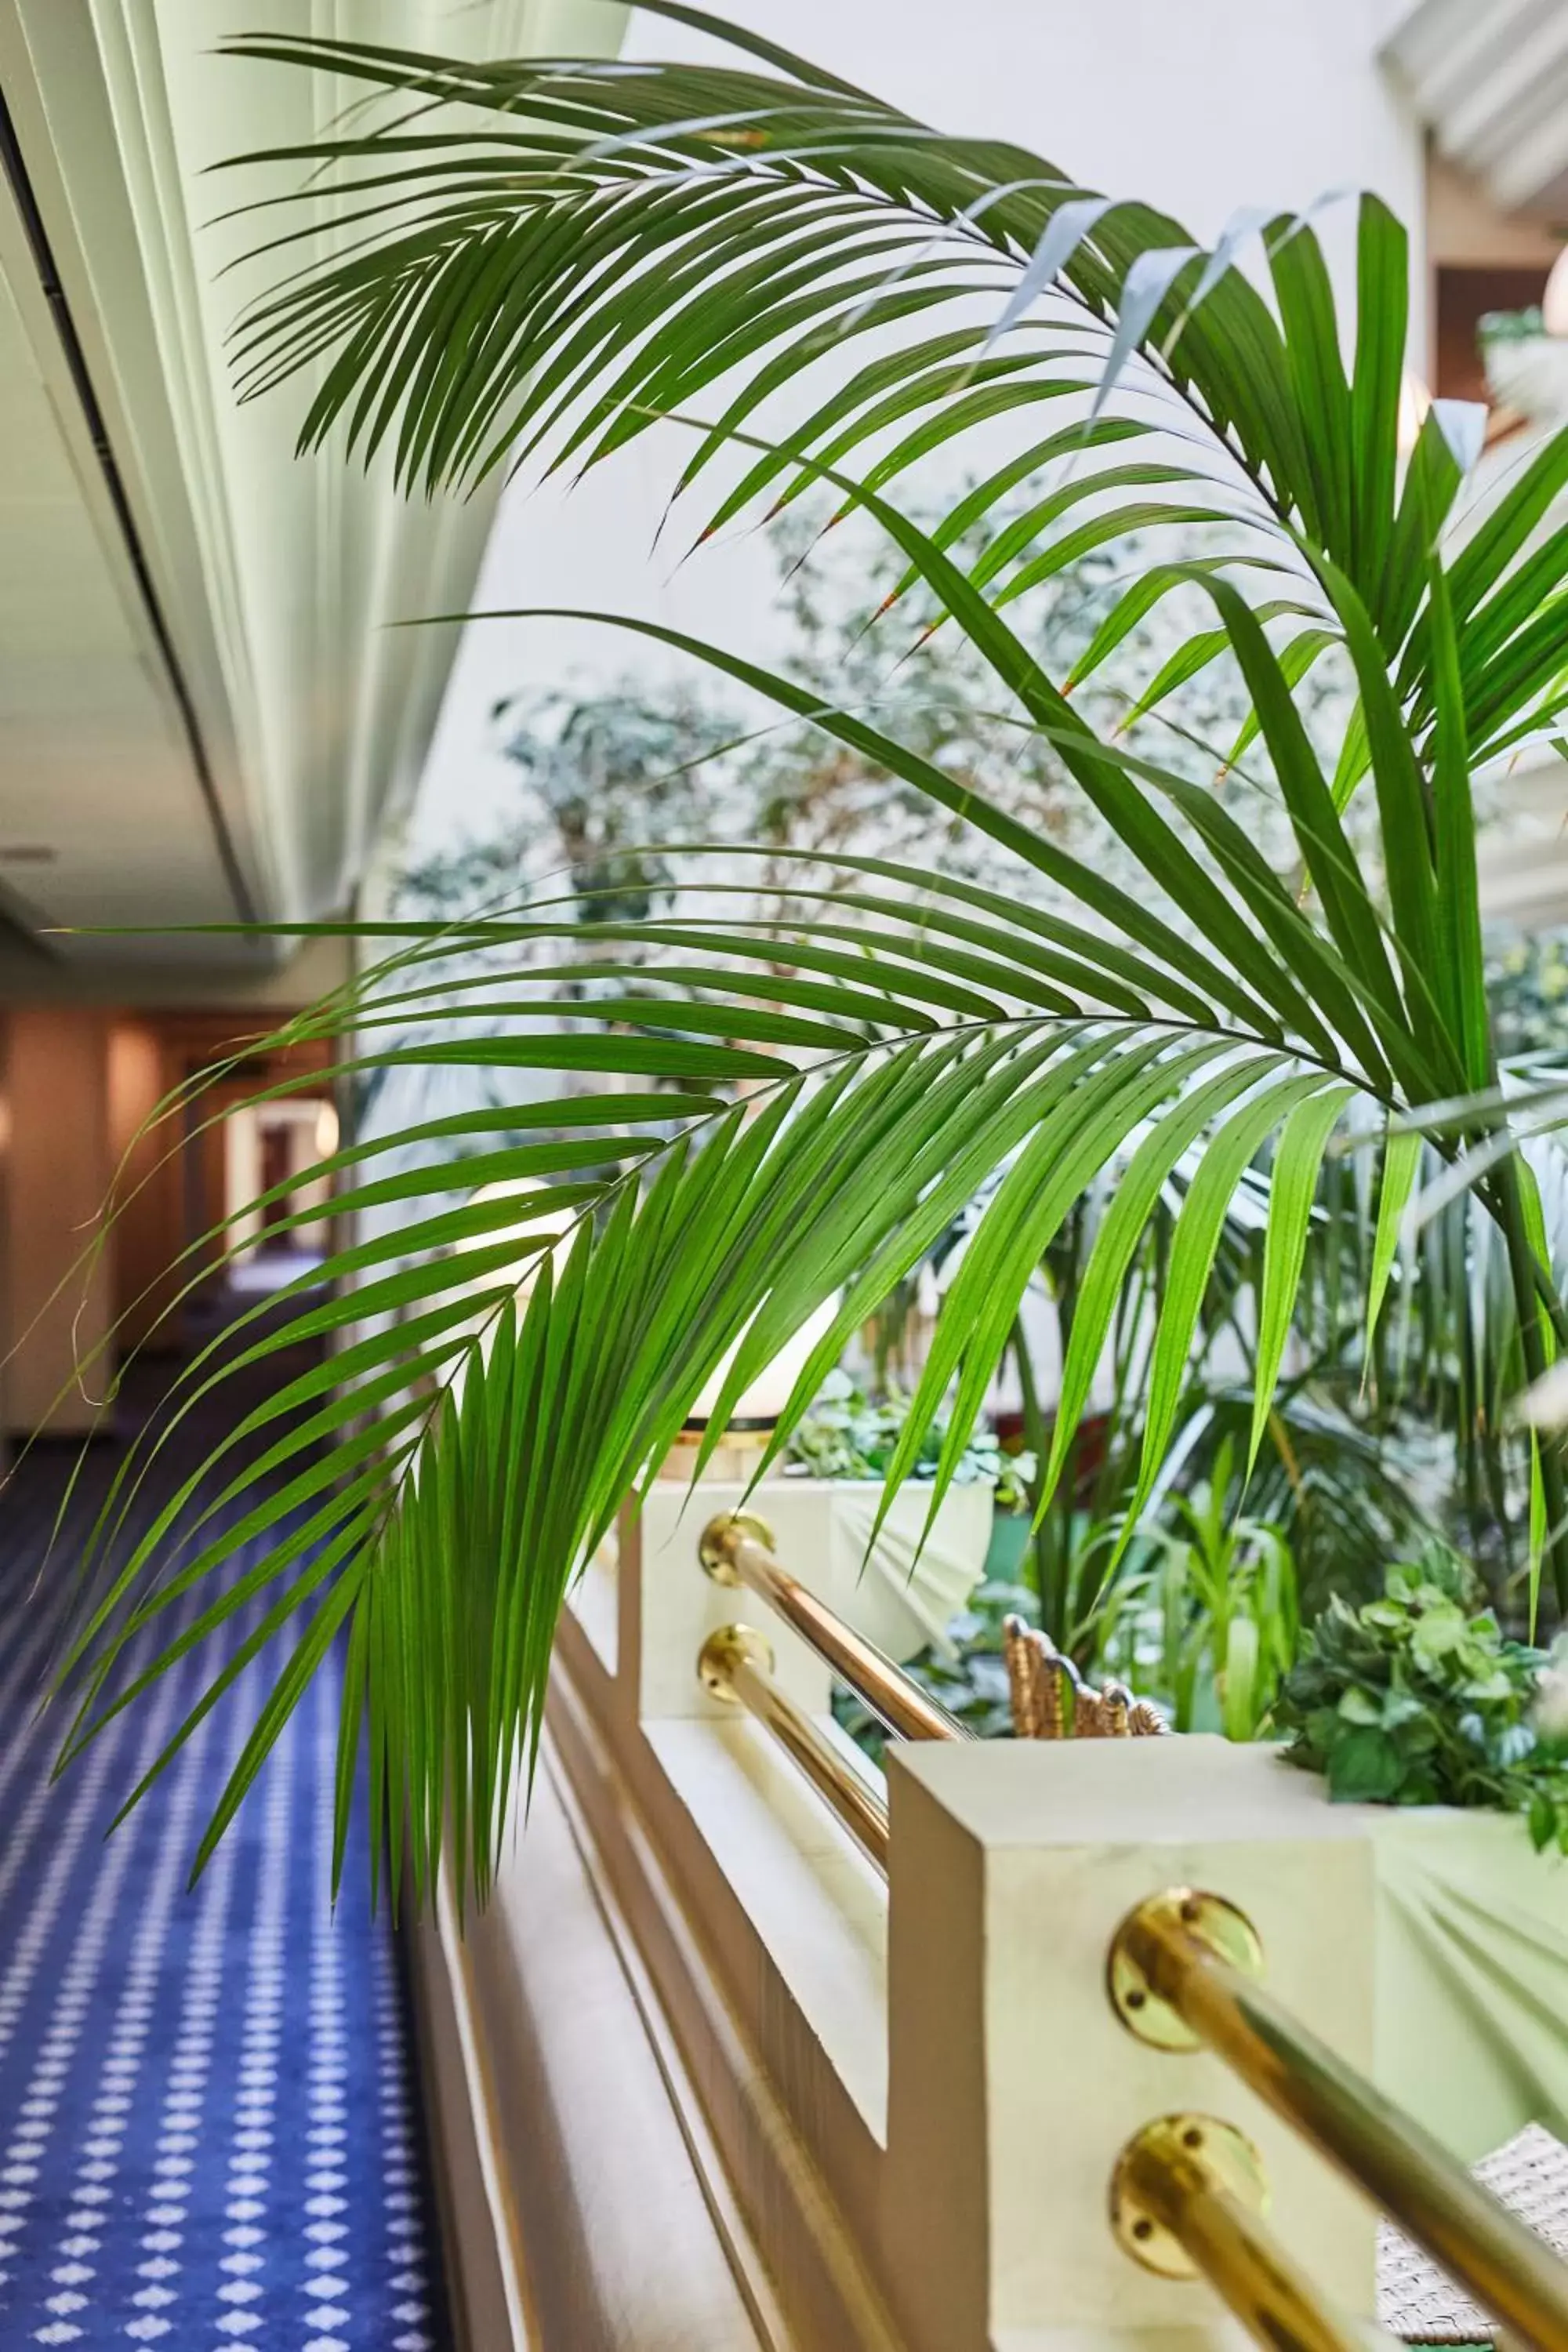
[(542, 260)]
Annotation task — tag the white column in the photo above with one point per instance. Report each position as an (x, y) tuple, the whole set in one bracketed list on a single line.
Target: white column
[(1012, 2084)]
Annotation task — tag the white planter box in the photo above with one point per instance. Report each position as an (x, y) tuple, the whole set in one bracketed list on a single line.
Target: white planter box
[(1472, 1964), (903, 1594), (821, 1528)]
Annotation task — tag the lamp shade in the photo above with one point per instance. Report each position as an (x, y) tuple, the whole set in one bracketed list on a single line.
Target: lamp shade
[(536, 1224), (326, 1136), (1554, 301), (766, 1397)]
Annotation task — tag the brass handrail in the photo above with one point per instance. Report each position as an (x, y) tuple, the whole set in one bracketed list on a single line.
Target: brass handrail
[(737, 1666), (737, 1548), (1186, 2198), (1179, 1975)]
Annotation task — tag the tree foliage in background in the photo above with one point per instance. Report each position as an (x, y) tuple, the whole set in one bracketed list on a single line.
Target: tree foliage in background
[(541, 260), (606, 784), (617, 784)]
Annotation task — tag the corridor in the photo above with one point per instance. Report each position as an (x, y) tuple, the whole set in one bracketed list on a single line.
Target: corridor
[(208, 2128)]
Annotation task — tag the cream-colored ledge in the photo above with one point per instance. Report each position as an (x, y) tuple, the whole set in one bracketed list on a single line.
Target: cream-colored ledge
[(898, 2108), (813, 1901)]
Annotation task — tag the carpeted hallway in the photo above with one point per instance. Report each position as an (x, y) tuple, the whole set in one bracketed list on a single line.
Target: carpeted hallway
[(209, 2135)]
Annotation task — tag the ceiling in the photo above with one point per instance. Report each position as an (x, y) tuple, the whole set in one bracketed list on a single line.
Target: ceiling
[(1491, 78), (99, 790), (204, 717)]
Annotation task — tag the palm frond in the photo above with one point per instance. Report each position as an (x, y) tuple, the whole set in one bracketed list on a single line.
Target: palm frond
[(566, 251), (547, 259)]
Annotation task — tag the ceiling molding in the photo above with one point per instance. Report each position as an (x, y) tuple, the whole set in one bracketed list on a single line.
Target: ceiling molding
[(272, 580), (59, 100), (12, 167), (1490, 79)]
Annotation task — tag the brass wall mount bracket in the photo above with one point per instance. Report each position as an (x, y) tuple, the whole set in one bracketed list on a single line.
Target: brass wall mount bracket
[(1151, 1949), (724, 1651), (727, 1529), (1166, 2171)]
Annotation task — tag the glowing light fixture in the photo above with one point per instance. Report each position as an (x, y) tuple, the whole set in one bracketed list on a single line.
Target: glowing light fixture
[(552, 1226), (1554, 301), (760, 1405), (1415, 406), (326, 1136)]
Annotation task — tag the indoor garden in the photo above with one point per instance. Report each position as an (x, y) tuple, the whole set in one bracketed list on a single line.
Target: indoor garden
[(1058, 985)]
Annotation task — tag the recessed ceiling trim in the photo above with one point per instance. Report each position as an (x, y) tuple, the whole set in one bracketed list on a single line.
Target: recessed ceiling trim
[(13, 165), (1490, 83)]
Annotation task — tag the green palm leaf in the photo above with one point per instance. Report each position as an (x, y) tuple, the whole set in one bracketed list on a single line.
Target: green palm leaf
[(556, 258)]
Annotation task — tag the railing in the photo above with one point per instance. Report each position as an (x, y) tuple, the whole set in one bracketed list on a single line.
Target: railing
[(1187, 2192), (737, 1665), (1185, 2199), (1184, 1971), (737, 1550), (1050, 1698)]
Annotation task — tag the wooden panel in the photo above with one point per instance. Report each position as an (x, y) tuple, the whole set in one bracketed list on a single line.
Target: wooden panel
[(60, 1301)]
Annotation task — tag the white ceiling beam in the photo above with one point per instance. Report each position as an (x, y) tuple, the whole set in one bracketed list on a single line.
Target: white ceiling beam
[(275, 579), (1491, 81)]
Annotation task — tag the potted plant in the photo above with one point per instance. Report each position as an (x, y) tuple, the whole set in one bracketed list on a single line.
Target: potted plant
[(1418, 1702), (1419, 1698), (1209, 1623), (1527, 369)]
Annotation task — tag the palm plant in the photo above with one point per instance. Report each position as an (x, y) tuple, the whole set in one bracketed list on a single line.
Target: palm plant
[(1351, 1465), (1213, 1617), (543, 259)]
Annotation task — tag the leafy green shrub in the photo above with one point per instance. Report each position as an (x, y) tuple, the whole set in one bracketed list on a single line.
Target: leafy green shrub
[(1510, 326), (1420, 1699), (849, 1434)]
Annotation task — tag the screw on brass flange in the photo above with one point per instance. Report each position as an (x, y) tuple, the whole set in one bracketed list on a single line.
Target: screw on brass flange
[(1152, 1937), (1164, 2170), (722, 1652), (721, 1532)]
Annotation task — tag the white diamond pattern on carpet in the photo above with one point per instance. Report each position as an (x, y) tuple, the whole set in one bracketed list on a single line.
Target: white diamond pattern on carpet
[(208, 2130)]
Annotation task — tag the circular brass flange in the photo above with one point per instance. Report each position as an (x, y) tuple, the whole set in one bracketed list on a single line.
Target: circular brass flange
[(722, 1652), (721, 1532), (1180, 1914), (1162, 2168)]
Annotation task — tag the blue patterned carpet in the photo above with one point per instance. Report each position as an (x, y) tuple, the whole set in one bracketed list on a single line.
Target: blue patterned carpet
[(207, 2132)]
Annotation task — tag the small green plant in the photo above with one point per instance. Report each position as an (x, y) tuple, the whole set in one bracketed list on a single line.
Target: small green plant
[(1209, 1624), (849, 1434), (1527, 990), (1419, 1698)]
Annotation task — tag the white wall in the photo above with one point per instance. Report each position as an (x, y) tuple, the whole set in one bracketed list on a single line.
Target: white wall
[(1202, 106)]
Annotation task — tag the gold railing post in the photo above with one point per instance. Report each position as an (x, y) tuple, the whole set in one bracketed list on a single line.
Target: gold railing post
[(1179, 1977), (736, 1665)]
